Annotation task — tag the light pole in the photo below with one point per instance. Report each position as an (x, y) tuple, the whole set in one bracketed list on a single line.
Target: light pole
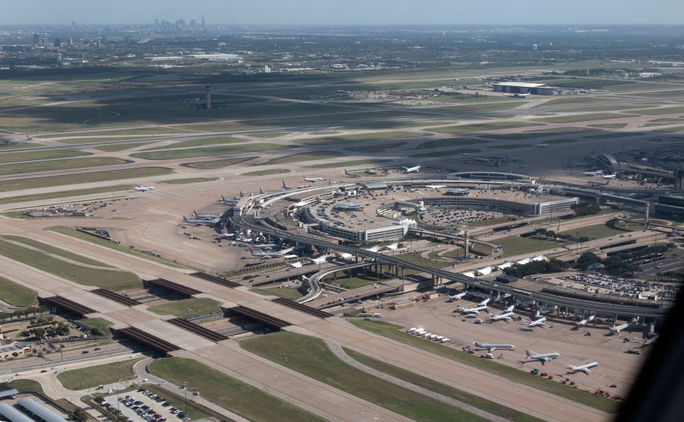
[(185, 388)]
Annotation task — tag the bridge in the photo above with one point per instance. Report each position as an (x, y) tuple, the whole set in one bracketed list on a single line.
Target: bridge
[(439, 275)]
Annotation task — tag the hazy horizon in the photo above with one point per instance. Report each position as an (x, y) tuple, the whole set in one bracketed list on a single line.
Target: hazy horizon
[(352, 12)]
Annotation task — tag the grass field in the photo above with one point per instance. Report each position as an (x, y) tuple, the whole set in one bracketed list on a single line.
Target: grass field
[(394, 332), (595, 231), (187, 308), (48, 154), (19, 146), (479, 127), (376, 148), (508, 146), (189, 180), (16, 294), (498, 220), (109, 244), (55, 251), (519, 245), (205, 151), (91, 177), (660, 110), (375, 136), (416, 258), (229, 392), (450, 142), (114, 280), (52, 165), (443, 389), (311, 357), (309, 156), (267, 134), (284, 292), (92, 376), (449, 152), (265, 172), (120, 147), (217, 164), (582, 117), (63, 194), (350, 163), (218, 140), (359, 278), (98, 323)]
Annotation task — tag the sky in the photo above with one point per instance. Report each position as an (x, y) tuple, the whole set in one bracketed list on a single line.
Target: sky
[(345, 12)]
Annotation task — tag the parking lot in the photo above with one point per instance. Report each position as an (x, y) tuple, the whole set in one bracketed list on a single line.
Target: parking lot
[(143, 405)]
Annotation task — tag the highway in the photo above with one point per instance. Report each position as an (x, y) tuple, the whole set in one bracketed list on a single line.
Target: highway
[(539, 297)]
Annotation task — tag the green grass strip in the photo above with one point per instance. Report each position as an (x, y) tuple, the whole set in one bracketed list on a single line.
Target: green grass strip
[(63, 194), (116, 246), (229, 392), (92, 376), (189, 180), (311, 357), (114, 280), (204, 151), (16, 294), (265, 172), (443, 389), (55, 251)]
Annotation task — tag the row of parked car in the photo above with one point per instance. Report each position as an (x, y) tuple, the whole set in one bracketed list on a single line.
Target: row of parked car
[(144, 411)]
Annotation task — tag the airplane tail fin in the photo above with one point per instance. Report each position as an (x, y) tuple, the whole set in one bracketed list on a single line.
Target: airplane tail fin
[(185, 219), (529, 353), (223, 199)]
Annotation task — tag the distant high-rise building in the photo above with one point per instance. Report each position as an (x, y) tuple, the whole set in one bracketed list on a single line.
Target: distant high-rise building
[(36, 39), (57, 42), (59, 58), (156, 22)]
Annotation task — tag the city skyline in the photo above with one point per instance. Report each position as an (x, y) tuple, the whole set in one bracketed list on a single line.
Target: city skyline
[(353, 12)]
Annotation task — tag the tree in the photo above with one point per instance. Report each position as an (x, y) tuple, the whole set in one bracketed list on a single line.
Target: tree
[(80, 414), (587, 259), (39, 332)]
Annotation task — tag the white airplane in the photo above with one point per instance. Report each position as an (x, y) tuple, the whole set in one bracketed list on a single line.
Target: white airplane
[(583, 368), (230, 201), (269, 255), (585, 321), (645, 342), (205, 216), (346, 173), (143, 188), (313, 179), (616, 329), (542, 357), (392, 246), (373, 248), (435, 186), (266, 246), (609, 176), (414, 169), (200, 222), (457, 296), (593, 173), (537, 322), (286, 187), (504, 316), (491, 347), (474, 311), (226, 235)]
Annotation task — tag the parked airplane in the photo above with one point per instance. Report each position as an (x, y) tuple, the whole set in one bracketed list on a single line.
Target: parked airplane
[(491, 347), (285, 186), (593, 173), (537, 322), (346, 173), (201, 222), (313, 179), (597, 183), (143, 188), (414, 169), (269, 255), (435, 186), (585, 321), (266, 246), (609, 176), (616, 329), (542, 357), (457, 296), (205, 216), (474, 311), (583, 368), (226, 235), (230, 201), (505, 316)]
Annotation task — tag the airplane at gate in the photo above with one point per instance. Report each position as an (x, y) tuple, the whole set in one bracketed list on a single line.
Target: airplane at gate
[(491, 347), (542, 357), (504, 316), (457, 296), (205, 216), (585, 321), (583, 368), (201, 222), (269, 255), (537, 322), (473, 311)]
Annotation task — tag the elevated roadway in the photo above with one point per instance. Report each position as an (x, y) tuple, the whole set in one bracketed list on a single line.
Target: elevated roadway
[(539, 297)]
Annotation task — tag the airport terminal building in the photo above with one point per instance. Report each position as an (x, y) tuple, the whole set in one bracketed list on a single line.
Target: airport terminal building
[(527, 88)]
